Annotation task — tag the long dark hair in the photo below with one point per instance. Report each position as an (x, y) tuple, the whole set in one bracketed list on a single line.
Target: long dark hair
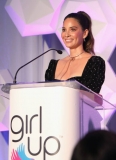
[(85, 22)]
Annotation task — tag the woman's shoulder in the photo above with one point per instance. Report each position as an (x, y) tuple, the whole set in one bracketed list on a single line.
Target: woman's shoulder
[(50, 72), (97, 59), (52, 63)]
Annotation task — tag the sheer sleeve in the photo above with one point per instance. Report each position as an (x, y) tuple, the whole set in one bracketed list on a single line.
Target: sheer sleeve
[(94, 74), (50, 72)]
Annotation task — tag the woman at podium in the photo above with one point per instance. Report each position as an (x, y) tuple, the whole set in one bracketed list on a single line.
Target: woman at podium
[(81, 64)]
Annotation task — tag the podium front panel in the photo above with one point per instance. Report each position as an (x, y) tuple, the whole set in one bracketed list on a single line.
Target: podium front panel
[(44, 122)]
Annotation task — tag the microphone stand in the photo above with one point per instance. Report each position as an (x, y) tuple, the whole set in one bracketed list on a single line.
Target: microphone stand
[(6, 87), (59, 51)]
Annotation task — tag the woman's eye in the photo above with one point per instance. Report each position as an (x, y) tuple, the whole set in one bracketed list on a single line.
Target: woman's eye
[(63, 30), (73, 29)]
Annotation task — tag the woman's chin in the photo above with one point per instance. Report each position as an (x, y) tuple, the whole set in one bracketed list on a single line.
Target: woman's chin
[(69, 46)]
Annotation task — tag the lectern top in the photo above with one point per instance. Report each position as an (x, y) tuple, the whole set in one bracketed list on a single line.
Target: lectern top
[(86, 94)]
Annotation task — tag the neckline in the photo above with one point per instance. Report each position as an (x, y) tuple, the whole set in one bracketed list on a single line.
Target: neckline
[(74, 57), (75, 76)]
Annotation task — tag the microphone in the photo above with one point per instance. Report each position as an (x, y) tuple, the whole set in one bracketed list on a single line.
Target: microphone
[(6, 87), (59, 51)]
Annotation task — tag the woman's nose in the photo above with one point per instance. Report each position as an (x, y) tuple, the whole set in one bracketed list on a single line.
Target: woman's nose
[(67, 33)]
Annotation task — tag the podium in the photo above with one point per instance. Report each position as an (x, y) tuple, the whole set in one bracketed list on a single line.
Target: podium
[(48, 119)]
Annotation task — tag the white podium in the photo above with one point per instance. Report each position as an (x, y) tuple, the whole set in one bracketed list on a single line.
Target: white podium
[(47, 119)]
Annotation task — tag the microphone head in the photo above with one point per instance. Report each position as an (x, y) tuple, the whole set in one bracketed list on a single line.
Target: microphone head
[(59, 51)]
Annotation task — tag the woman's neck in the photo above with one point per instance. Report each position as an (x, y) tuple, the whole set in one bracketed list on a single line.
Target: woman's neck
[(76, 51)]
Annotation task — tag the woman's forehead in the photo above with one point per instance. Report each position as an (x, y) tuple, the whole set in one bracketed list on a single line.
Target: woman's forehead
[(71, 22)]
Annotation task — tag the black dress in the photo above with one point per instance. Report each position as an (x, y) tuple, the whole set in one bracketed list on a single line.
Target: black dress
[(92, 77)]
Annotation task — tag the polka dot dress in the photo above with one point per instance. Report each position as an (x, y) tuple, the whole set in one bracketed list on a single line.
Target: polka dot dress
[(92, 77)]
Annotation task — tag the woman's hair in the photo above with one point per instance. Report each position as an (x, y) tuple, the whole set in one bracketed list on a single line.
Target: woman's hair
[(96, 145), (85, 22)]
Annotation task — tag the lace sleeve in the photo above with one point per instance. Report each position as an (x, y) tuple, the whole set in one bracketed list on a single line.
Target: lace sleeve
[(95, 74)]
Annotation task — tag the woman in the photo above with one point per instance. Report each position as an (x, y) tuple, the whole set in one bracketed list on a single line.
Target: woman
[(81, 64)]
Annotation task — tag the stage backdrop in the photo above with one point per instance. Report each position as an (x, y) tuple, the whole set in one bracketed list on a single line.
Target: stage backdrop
[(29, 28)]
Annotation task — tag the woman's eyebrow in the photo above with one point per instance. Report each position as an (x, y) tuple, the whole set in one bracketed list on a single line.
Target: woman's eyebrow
[(72, 27)]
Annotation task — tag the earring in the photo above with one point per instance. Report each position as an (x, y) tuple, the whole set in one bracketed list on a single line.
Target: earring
[(84, 39)]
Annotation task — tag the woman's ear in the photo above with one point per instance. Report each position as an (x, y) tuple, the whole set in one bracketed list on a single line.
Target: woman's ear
[(85, 33)]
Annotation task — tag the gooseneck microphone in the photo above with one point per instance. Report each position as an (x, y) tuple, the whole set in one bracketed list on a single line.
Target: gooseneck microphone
[(6, 87), (58, 51)]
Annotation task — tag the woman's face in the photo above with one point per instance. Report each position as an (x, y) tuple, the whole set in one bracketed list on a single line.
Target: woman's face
[(72, 33)]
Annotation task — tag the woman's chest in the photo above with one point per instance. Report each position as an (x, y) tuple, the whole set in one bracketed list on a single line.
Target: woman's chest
[(71, 68)]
